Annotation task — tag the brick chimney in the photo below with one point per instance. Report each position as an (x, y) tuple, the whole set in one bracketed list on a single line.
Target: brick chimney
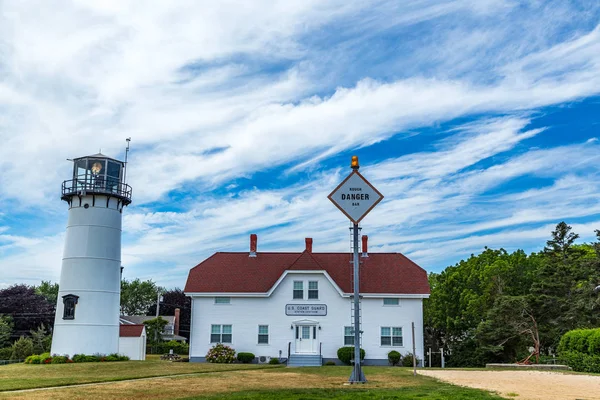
[(176, 322), (365, 250), (308, 245), (253, 244)]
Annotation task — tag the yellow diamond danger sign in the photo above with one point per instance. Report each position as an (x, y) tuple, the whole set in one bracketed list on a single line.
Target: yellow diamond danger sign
[(355, 197)]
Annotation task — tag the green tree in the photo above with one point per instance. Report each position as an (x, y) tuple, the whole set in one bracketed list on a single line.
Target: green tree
[(22, 349), (6, 327), (173, 299), (49, 290), (137, 296), (41, 340), (154, 330), (562, 241)]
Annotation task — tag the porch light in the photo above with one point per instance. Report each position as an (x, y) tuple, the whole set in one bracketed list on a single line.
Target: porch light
[(291, 326)]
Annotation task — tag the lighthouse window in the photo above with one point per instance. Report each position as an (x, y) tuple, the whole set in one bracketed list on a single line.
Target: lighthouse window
[(69, 302), (112, 174)]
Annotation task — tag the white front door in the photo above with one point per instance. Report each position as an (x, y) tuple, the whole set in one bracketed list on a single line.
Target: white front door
[(306, 338)]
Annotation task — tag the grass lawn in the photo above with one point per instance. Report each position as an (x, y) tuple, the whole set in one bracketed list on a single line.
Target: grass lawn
[(221, 383), (26, 376)]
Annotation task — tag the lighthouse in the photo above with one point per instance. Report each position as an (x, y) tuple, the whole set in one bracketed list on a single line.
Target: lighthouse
[(87, 309)]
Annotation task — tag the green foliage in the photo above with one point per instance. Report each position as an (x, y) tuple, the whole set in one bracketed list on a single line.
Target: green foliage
[(6, 328), (41, 340), (49, 290), (154, 329), (245, 357), (45, 358), (220, 353), (274, 361), (346, 354), (394, 357), (177, 347), (27, 308), (59, 360), (582, 362), (22, 348), (33, 359), (329, 363), (407, 360), (137, 296), (5, 353), (493, 306)]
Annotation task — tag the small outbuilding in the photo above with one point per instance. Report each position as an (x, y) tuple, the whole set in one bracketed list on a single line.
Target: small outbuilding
[(132, 341)]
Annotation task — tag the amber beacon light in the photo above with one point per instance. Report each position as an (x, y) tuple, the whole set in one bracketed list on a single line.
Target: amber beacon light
[(354, 162)]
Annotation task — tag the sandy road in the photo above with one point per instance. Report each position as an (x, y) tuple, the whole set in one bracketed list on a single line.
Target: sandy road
[(525, 385)]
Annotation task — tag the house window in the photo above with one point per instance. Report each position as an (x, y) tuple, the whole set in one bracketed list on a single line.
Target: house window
[(298, 290), (391, 302), (69, 302), (348, 336), (222, 300), (220, 334), (313, 290), (391, 336), (263, 334)]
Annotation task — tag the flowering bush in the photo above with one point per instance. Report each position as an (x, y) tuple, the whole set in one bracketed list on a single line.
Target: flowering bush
[(220, 353)]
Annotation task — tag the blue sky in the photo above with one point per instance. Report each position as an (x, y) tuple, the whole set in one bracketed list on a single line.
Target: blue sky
[(478, 121)]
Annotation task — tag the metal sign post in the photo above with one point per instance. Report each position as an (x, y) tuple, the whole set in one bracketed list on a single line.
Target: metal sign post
[(355, 197)]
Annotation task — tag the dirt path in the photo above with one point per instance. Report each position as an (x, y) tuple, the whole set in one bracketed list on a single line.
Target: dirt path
[(525, 385)]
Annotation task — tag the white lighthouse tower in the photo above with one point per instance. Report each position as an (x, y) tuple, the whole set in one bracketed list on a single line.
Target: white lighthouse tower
[(87, 310)]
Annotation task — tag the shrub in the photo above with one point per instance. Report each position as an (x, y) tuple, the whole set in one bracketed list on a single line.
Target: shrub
[(580, 348), (21, 349), (245, 357), (274, 360), (78, 358), (407, 360), (394, 357), (346, 354), (45, 358), (177, 347), (5, 353), (330, 363), (33, 359), (220, 353), (59, 360)]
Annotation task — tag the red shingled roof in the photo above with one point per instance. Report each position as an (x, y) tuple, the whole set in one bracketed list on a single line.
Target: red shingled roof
[(131, 330), (238, 273)]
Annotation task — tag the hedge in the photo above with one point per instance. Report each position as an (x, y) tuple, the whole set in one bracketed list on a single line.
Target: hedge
[(581, 349)]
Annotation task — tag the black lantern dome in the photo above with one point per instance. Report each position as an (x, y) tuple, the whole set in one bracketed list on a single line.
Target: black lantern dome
[(97, 174)]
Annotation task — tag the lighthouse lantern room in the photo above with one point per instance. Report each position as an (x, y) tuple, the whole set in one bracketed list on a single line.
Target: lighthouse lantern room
[(87, 309)]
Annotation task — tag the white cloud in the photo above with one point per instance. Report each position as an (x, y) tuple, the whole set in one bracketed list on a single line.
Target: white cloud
[(211, 92)]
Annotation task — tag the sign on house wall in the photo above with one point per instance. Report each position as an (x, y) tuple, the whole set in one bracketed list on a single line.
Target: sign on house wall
[(306, 309)]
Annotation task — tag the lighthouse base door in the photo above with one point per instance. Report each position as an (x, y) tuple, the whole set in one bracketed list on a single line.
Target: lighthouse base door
[(306, 339)]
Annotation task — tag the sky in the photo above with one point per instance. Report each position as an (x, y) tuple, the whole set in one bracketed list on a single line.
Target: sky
[(477, 120)]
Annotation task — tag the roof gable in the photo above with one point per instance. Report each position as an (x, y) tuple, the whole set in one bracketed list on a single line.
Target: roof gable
[(380, 273), (135, 330)]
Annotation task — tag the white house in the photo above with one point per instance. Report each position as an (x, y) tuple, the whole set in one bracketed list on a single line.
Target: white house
[(298, 305)]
